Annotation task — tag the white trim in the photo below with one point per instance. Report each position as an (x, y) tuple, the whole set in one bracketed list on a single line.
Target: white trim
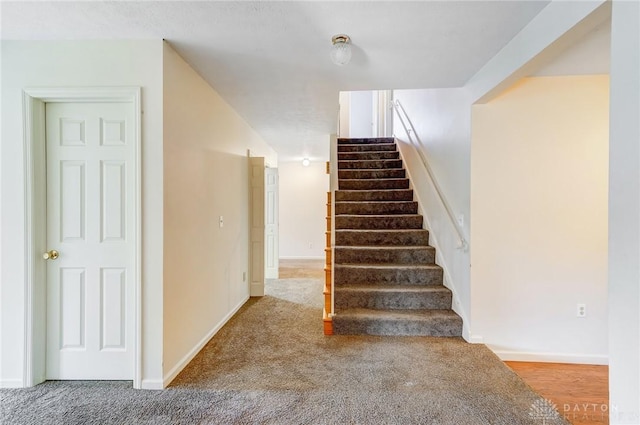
[(35, 238), (151, 384), (171, 375), (577, 358), (475, 339), (11, 383), (303, 258), (29, 136), (33, 206)]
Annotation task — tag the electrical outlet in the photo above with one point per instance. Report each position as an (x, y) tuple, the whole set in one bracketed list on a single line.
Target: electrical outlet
[(221, 221), (310, 245), (581, 310)]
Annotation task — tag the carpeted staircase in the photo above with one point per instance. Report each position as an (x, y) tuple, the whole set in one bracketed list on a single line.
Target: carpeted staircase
[(385, 276)]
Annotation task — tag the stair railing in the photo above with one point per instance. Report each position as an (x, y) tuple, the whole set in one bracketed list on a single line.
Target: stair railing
[(417, 143)]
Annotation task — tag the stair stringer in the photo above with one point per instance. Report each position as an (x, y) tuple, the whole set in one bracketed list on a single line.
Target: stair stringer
[(406, 150)]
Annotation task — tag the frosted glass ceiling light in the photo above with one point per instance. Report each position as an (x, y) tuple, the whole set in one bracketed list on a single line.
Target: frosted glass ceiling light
[(306, 162), (341, 50)]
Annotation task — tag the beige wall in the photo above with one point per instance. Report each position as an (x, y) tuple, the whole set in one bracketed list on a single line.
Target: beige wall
[(206, 175), (539, 185), (303, 210)]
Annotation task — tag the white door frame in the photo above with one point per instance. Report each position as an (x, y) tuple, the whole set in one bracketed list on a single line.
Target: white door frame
[(272, 273), (34, 100)]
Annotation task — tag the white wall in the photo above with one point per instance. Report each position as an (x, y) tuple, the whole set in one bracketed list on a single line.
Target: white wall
[(539, 180), (67, 64), (344, 99), (441, 118), (303, 210), (624, 215), (206, 175), (361, 113)]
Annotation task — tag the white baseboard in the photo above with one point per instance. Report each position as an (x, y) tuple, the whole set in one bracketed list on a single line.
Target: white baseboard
[(11, 383), (475, 339), (152, 384), (521, 356), (303, 258), (171, 375)]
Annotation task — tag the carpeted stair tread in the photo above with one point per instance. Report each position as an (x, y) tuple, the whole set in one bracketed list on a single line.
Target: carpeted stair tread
[(374, 173), (382, 266), (376, 207), (381, 237), (373, 184), (387, 274), (393, 297), (384, 254), (358, 155), (374, 195), (374, 147), (366, 140), (397, 322), (371, 163), (378, 221)]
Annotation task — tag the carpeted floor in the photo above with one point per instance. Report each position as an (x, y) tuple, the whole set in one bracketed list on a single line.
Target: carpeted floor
[(271, 364)]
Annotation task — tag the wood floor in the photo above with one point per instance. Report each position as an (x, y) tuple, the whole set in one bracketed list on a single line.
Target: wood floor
[(580, 392), (302, 269)]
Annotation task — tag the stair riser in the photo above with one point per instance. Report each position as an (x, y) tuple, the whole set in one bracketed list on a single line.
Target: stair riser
[(365, 140), (372, 174), (380, 208), (381, 184), (359, 156), (376, 195), (391, 147), (351, 238), (383, 163), (344, 275), (377, 222), (345, 298), (441, 327), (384, 256)]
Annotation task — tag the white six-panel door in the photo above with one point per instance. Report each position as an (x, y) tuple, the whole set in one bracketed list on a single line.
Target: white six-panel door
[(90, 223)]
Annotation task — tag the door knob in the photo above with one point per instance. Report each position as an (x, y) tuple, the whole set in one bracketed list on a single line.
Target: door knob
[(51, 255)]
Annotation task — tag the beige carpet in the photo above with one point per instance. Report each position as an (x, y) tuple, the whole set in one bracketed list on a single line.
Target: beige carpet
[(272, 365)]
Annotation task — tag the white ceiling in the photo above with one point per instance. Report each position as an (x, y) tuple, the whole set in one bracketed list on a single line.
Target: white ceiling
[(270, 60)]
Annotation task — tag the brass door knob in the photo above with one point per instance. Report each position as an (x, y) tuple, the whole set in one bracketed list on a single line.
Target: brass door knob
[(51, 255)]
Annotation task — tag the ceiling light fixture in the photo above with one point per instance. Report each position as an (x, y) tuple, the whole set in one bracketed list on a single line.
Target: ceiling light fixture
[(341, 49), (306, 162)]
